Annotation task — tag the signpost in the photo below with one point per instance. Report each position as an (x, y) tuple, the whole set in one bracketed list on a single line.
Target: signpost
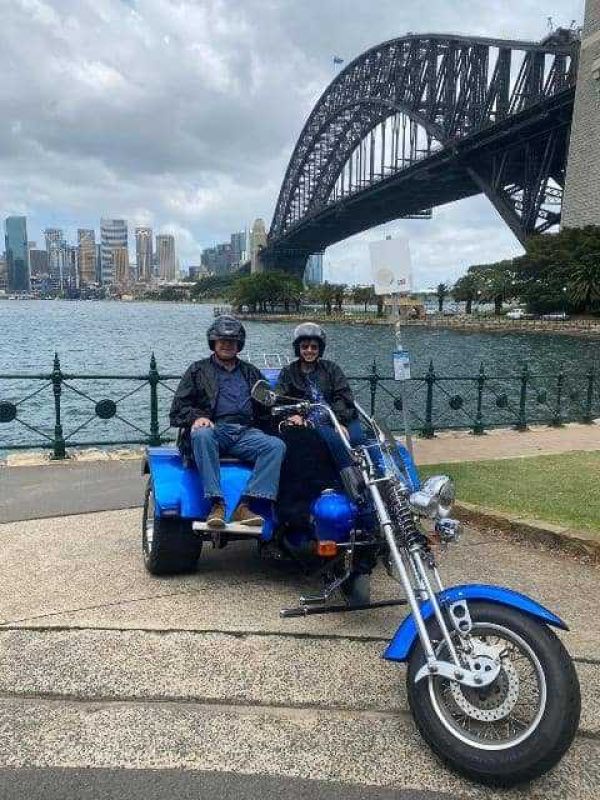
[(391, 272)]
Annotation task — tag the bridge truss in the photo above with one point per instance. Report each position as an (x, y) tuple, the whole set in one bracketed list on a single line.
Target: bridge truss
[(475, 115)]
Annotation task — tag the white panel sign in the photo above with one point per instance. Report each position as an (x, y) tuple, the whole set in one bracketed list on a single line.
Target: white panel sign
[(390, 266), (401, 365)]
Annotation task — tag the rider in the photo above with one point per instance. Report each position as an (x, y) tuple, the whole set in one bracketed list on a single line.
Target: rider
[(312, 377), (214, 407)]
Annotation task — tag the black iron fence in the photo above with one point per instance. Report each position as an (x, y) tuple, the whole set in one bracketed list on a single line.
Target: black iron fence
[(60, 410)]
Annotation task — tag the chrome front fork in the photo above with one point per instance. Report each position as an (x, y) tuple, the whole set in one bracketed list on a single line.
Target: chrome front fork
[(459, 613)]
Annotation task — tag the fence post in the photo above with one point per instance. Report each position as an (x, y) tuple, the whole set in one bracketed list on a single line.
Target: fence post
[(59, 441), (478, 428), (587, 415), (557, 420), (153, 378), (428, 430), (373, 381), (522, 421)]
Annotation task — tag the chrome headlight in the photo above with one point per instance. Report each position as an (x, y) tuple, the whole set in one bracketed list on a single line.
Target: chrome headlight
[(435, 498)]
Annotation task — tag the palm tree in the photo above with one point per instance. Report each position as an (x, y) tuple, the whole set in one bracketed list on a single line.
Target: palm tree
[(584, 284), (441, 292)]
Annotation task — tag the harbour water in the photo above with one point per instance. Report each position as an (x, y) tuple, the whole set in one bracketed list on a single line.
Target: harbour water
[(114, 338), (119, 337)]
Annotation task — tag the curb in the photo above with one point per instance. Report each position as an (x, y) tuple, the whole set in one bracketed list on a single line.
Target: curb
[(526, 529)]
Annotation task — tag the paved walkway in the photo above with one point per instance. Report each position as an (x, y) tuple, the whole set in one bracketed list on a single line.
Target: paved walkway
[(505, 443), (103, 666)]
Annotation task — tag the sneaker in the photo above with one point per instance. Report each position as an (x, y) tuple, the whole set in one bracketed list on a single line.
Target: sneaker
[(216, 516), (243, 516)]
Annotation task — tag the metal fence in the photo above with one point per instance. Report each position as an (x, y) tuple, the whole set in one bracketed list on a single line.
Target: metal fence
[(60, 410)]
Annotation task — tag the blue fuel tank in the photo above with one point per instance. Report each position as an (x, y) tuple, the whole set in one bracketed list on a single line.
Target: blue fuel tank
[(333, 515)]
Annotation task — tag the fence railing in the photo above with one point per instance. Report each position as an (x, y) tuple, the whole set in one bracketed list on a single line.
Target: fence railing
[(59, 410)]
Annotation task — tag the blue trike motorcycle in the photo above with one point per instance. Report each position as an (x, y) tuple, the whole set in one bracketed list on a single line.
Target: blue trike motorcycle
[(491, 687)]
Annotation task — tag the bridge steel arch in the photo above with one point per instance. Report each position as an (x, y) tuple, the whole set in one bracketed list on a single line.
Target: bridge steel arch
[(482, 115)]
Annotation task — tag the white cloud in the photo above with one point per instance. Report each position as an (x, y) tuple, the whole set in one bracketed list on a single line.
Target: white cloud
[(184, 113)]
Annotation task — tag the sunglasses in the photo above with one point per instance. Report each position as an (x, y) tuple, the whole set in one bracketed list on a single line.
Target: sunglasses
[(309, 347)]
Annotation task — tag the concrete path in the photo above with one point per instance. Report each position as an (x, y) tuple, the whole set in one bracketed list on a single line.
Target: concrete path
[(103, 666), (504, 443), (74, 487)]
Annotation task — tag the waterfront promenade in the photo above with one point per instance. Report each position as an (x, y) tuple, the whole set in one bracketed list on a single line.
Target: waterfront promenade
[(103, 666)]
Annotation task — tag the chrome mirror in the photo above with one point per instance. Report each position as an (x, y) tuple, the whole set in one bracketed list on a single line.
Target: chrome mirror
[(262, 393)]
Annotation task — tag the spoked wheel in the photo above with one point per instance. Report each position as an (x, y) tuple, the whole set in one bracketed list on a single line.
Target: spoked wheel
[(520, 725), (169, 546)]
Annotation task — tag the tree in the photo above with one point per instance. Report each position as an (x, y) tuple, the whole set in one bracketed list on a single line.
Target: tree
[(498, 283), (325, 294), (466, 289), (339, 295), (441, 292), (362, 295), (583, 288), (555, 262)]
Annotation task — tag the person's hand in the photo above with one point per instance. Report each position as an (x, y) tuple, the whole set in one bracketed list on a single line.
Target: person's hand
[(202, 422), (296, 419)]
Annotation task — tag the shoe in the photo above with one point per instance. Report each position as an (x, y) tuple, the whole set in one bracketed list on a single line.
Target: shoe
[(216, 516), (243, 516)]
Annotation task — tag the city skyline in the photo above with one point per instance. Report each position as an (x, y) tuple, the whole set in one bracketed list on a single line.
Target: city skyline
[(220, 161)]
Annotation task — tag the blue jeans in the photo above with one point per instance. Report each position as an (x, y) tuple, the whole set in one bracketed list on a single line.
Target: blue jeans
[(245, 443), (336, 447)]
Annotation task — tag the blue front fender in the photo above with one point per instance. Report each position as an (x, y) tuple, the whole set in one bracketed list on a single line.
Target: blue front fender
[(406, 635)]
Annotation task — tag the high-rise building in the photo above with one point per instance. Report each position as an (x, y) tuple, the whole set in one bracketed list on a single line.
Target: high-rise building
[(258, 239), (55, 243), (70, 276), (17, 254), (86, 243), (120, 259), (313, 274), (38, 263), (143, 254), (3, 277), (238, 248), (165, 254), (113, 235)]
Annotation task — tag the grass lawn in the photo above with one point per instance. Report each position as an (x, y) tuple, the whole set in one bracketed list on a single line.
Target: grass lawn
[(564, 489)]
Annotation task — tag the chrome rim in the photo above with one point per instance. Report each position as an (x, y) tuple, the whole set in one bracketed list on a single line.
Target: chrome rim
[(149, 527), (503, 714)]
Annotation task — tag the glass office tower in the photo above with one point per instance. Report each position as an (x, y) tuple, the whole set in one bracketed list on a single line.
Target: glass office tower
[(17, 254)]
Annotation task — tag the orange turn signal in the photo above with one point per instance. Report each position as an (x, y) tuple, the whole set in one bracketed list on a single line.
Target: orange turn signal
[(327, 548)]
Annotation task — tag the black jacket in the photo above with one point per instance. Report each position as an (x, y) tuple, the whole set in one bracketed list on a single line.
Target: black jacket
[(196, 395), (332, 382)]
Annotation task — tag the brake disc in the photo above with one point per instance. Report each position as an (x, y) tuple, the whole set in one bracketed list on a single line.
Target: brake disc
[(493, 702)]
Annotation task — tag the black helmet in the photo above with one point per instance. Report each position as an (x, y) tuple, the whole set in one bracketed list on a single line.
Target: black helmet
[(226, 327), (309, 330)]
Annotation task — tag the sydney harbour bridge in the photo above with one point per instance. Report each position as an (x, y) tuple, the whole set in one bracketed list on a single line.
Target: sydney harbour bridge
[(424, 120)]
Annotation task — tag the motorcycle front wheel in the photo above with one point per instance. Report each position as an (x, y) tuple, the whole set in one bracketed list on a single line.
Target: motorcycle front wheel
[(518, 727)]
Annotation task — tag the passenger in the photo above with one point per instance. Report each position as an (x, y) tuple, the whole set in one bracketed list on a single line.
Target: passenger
[(213, 406), (311, 377)]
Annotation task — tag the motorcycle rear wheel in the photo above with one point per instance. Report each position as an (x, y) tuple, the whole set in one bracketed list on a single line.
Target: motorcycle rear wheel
[(495, 736), (169, 546)]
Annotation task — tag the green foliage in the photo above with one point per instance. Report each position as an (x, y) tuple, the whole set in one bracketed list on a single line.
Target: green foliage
[(467, 289), (263, 291), (213, 286), (364, 295), (561, 271), (441, 293)]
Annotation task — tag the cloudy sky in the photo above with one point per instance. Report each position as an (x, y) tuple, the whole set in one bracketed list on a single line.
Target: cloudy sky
[(183, 115)]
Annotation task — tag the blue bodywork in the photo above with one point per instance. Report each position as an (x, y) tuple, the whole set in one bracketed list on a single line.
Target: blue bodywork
[(178, 490), (400, 647)]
